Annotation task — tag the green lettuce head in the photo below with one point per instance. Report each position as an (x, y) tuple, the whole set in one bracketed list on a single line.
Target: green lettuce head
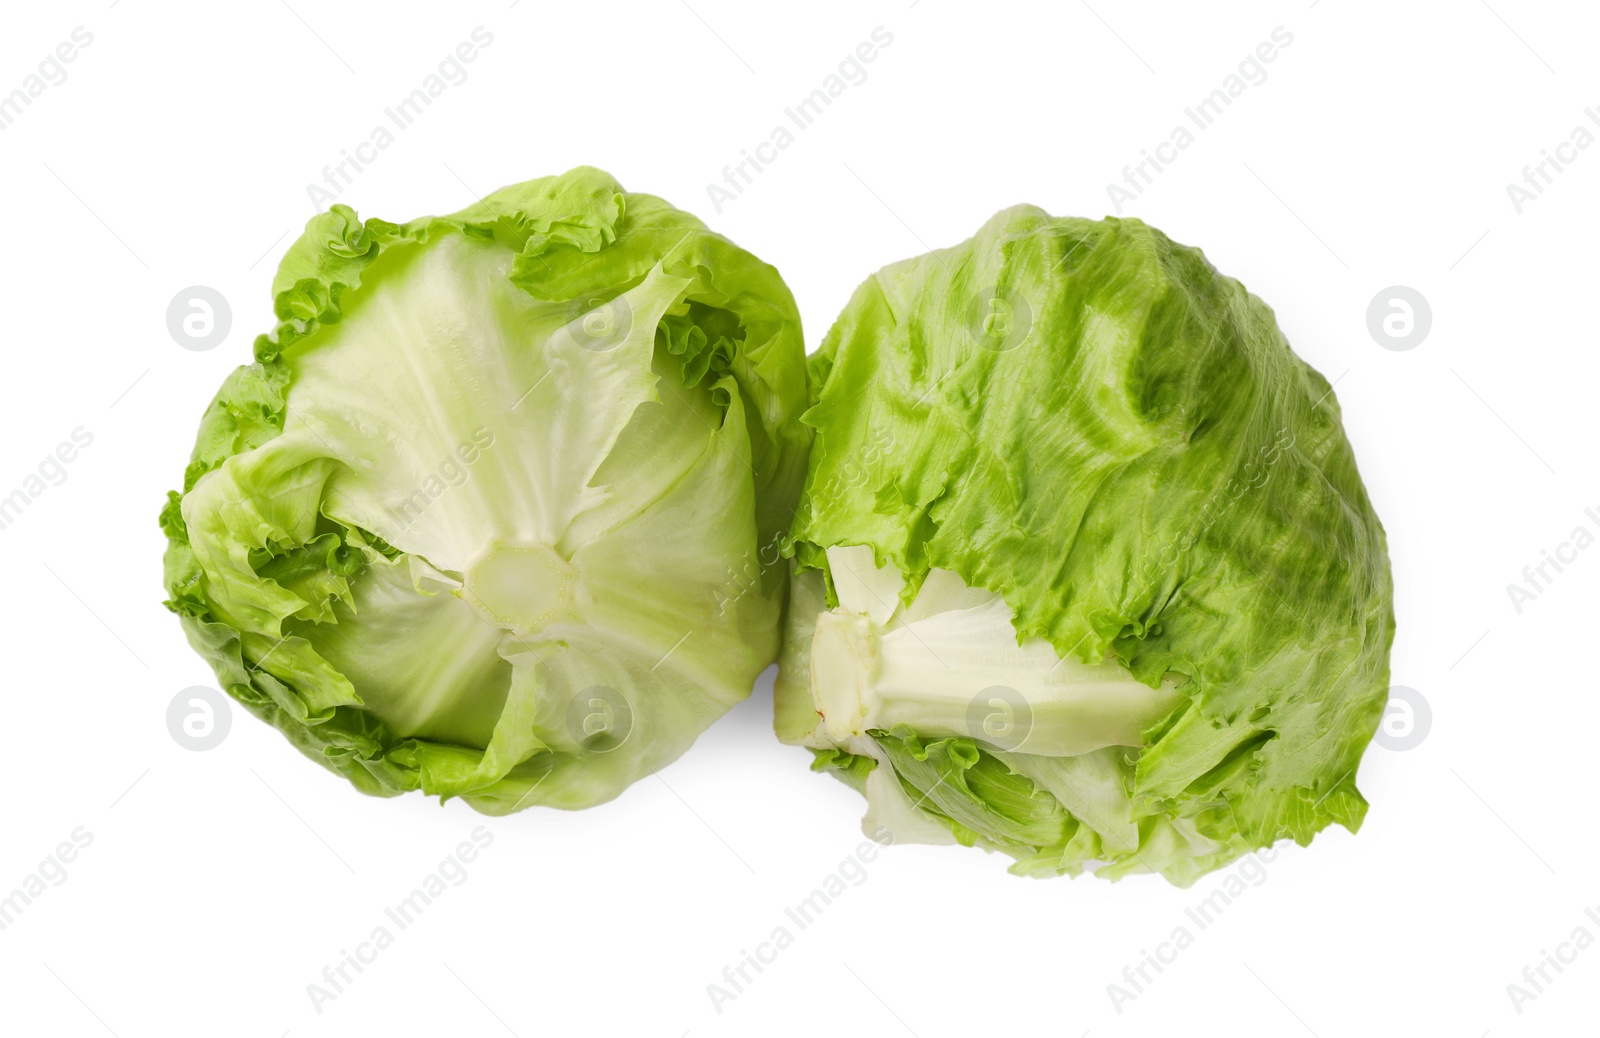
[(1085, 570), (485, 517)]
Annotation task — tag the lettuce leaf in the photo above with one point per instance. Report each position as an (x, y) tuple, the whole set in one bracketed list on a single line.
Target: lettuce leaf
[(482, 518), (1083, 556)]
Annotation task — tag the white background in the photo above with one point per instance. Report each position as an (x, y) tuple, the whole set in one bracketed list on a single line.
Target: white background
[(1376, 153)]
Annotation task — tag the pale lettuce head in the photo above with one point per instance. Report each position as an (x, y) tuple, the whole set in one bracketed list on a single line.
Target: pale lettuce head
[(485, 517), (1085, 570)]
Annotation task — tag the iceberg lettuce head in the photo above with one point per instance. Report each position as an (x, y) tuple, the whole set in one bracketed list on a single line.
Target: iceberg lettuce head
[(1085, 570), (485, 516)]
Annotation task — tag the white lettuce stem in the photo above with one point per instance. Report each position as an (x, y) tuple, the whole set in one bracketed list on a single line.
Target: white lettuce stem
[(961, 672)]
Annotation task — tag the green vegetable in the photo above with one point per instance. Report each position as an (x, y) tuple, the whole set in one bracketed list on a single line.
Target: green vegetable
[(1085, 570), (485, 516)]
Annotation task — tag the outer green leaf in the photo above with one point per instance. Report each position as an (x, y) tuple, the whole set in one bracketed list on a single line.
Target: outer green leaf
[(482, 518), (1086, 420)]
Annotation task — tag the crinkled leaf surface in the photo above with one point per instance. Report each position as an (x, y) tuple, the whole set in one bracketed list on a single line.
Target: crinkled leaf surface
[(481, 519), (1083, 426)]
